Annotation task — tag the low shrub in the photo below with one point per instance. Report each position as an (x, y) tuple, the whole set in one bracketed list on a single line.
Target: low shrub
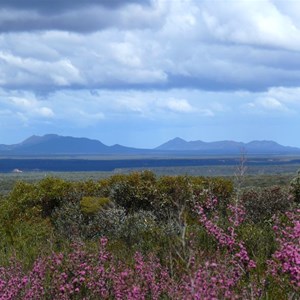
[(262, 203), (295, 187), (91, 205), (135, 191), (285, 263)]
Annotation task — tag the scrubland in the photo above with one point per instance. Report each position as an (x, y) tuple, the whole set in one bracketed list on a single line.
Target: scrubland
[(143, 236)]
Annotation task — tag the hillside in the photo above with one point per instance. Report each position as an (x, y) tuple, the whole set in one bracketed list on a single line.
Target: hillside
[(52, 144), (227, 147)]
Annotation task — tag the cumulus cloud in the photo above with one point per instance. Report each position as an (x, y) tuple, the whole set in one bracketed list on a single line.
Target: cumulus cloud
[(252, 22), (271, 103), (277, 100), (239, 45), (45, 112), (29, 72), (268, 104), (47, 6), (22, 16), (152, 108), (132, 104), (178, 105), (288, 96), (29, 107)]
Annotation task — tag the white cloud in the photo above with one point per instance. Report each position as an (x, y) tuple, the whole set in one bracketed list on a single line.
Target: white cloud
[(21, 71), (277, 100), (252, 22), (178, 105), (271, 103), (45, 112), (22, 103), (237, 45), (288, 96), (126, 54), (132, 104), (27, 108), (268, 104), (84, 118)]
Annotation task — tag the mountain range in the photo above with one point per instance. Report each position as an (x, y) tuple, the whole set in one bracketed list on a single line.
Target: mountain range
[(52, 144), (228, 147)]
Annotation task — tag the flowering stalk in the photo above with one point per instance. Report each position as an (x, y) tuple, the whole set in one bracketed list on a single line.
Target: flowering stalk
[(229, 239)]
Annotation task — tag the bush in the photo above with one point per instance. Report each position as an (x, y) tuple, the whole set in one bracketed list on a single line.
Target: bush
[(69, 221), (52, 192), (91, 205), (262, 203), (133, 192), (174, 197), (295, 188)]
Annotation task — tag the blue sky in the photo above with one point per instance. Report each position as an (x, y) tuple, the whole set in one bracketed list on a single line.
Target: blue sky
[(139, 73)]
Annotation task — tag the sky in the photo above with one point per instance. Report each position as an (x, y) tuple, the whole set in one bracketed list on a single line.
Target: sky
[(141, 72)]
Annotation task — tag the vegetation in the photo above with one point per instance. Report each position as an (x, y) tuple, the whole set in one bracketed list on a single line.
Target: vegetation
[(143, 236)]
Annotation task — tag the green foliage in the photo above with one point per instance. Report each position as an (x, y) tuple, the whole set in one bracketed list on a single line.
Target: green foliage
[(175, 190), (135, 191), (24, 239), (137, 212), (138, 209), (68, 221), (23, 230), (21, 200), (140, 230), (91, 205), (295, 187), (92, 188), (38, 199), (259, 240), (262, 203), (51, 192)]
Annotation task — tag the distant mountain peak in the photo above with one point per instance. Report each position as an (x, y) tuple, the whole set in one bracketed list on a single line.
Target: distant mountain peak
[(37, 139), (45, 136), (263, 142), (53, 144), (178, 139), (226, 147), (173, 144)]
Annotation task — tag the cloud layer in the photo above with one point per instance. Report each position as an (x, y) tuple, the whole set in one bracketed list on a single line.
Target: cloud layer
[(171, 66), (246, 45)]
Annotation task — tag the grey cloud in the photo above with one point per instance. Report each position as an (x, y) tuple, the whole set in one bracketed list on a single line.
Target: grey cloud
[(54, 6), (76, 16), (66, 22), (175, 50), (105, 67)]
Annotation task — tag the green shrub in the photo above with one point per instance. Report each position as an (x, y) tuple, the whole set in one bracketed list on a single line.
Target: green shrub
[(140, 229), (51, 192), (295, 188), (92, 188), (21, 199), (262, 203), (91, 205), (259, 240), (69, 221), (135, 191)]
